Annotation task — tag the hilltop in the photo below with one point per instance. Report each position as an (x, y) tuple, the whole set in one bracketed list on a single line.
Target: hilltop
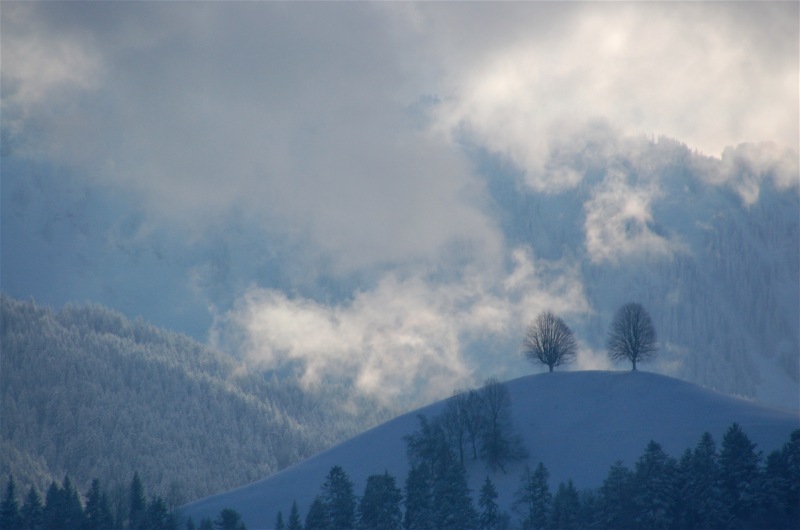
[(577, 423)]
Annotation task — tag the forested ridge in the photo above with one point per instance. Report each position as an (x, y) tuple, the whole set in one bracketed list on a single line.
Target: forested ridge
[(87, 392)]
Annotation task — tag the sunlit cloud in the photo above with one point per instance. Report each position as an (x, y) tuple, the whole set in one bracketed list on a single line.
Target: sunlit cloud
[(408, 336)]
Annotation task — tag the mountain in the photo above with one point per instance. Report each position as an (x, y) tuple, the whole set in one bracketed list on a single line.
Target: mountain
[(576, 423), (87, 392)]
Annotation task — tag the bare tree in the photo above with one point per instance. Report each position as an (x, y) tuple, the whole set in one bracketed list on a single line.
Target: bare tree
[(632, 335), (500, 443), (549, 341)]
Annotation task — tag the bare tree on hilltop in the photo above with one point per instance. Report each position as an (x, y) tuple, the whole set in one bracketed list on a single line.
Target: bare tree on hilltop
[(632, 336), (549, 341)]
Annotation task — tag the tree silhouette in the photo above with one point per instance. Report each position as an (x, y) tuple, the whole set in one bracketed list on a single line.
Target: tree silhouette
[(632, 336), (549, 341)]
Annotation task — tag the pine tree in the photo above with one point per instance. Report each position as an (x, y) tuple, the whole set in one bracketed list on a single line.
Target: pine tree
[(699, 503), (206, 524), (137, 509), (53, 511), (791, 459), (565, 514), (229, 519), (452, 504), (654, 494), (9, 509), (419, 498), (279, 521), (615, 505), (32, 511), (339, 499), (489, 518), (158, 516), (379, 508), (73, 510), (294, 522), (533, 498), (739, 473), (98, 511), (317, 517)]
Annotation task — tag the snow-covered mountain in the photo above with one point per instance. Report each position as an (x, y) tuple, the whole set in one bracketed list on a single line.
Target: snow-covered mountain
[(576, 423)]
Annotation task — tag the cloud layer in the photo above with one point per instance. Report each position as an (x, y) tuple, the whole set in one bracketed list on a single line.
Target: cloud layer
[(358, 137)]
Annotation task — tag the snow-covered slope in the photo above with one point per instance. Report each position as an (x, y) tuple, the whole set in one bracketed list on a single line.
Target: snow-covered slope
[(577, 423)]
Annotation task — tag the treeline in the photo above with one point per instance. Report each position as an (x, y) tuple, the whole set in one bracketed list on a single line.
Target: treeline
[(706, 488), (63, 508)]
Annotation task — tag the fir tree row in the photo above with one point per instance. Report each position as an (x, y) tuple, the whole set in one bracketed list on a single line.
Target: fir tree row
[(734, 487)]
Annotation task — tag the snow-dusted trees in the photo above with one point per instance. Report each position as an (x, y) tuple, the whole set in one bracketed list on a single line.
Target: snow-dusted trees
[(632, 336), (548, 340)]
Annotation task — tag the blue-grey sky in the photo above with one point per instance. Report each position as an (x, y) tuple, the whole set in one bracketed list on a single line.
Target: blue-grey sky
[(311, 171)]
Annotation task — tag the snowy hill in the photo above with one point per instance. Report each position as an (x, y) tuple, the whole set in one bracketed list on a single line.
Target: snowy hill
[(577, 423)]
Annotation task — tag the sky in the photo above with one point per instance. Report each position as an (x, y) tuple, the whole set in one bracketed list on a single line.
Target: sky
[(305, 183)]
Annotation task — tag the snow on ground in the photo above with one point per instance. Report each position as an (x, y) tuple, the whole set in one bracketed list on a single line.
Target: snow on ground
[(577, 423)]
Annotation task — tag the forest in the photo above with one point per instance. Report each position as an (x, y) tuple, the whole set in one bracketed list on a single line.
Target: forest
[(87, 392), (706, 488)]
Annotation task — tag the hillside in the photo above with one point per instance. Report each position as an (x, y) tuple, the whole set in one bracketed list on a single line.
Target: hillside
[(88, 392), (577, 423)]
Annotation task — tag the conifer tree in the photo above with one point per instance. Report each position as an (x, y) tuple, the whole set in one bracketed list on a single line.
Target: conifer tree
[(206, 524), (566, 508), (317, 516), (339, 499), (699, 501), (279, 525), (654, 494), (739, 473), (791, 459), (615, 505), (533, 498), (137, 508), (98, 511), (294, 522), (53, 511), (379, 508), (9, 509), (419, 498), (490, 517), (229, 519), (32, 511), (452, 504), (73, 515)]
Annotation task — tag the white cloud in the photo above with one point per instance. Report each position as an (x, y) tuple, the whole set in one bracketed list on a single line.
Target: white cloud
[(619, 222), (686, 71), (408, 336)]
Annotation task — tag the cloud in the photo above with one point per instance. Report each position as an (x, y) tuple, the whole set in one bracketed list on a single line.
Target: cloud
[(712, 75), (301, 114), (619, 222), (407, 336)]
